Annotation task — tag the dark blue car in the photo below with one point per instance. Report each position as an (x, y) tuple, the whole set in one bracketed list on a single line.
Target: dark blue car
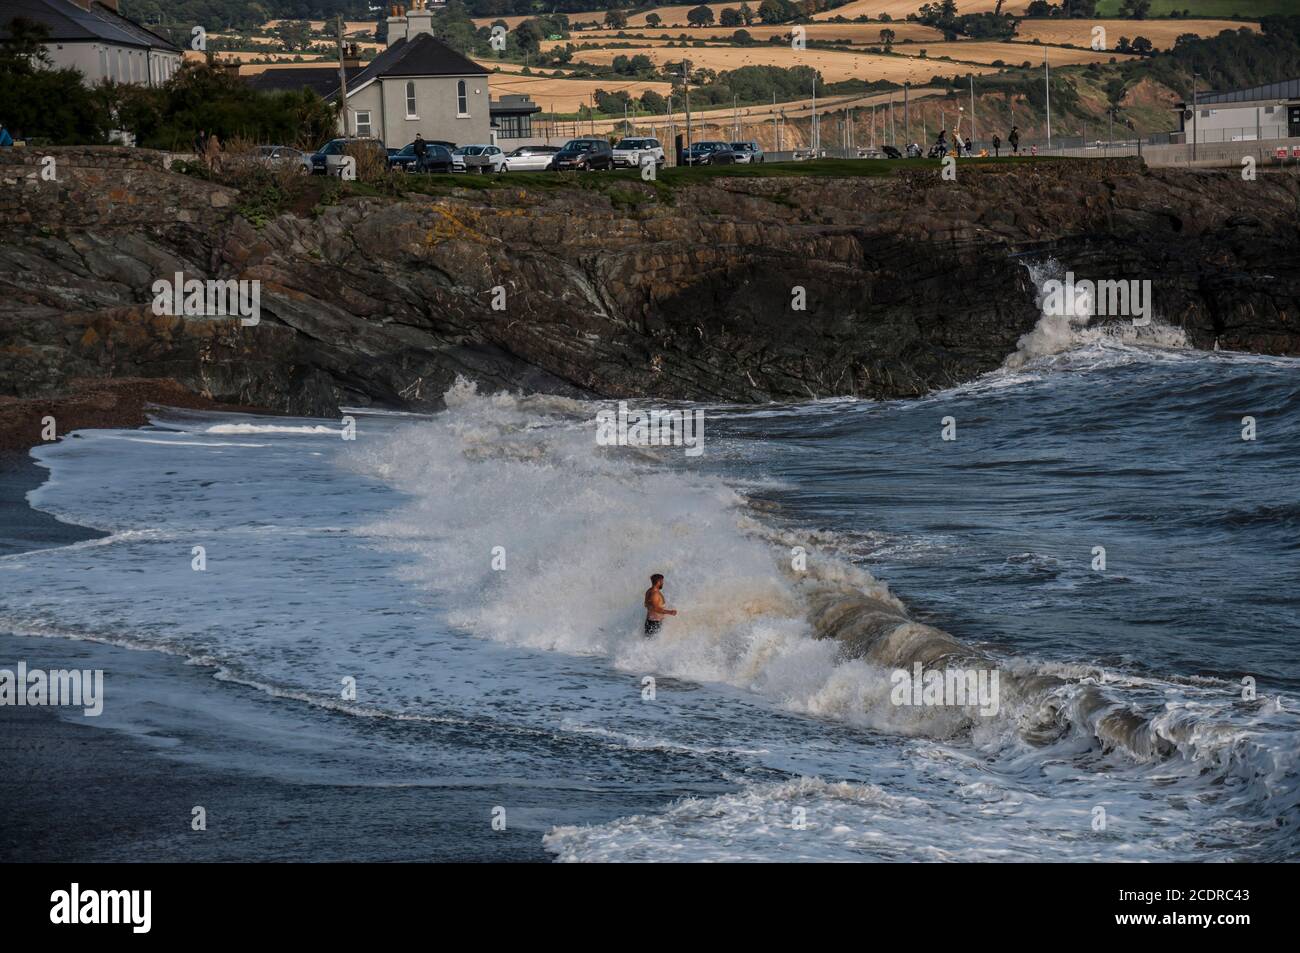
[(437, 158)]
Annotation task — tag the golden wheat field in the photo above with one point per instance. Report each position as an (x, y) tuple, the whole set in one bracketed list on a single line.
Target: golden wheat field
[(1161, 33), (859, 34), (349, 26), (898, 9), (1010, 54), (225, 56), (566, 95), (833, 65)]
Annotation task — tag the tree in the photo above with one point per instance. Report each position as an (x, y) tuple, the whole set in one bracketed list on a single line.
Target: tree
[(528, 36), (199, 97), (294, 34), (776, 11), (615, 19), (653, 102), (742, 37), (887, 37), (653, 19), (700, 16), (38, 102), (1142, 45), (729, 17), (1135, 9), (746, 14)]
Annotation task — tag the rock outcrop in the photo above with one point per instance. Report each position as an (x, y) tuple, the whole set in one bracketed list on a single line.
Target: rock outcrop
[(617, 288)]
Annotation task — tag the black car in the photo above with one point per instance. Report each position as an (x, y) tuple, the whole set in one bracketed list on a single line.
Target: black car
[(437, 158), (710, 153), (584, 154)]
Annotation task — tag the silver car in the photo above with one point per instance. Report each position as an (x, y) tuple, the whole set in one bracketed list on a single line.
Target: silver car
[(747, 151)]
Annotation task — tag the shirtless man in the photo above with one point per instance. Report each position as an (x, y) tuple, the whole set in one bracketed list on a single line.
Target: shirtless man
[(655, 610)]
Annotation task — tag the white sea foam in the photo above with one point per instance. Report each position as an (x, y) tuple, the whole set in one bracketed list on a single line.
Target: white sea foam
[(1057, 333)]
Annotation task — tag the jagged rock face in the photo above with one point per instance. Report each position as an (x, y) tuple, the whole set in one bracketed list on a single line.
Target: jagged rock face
[(909, 283)]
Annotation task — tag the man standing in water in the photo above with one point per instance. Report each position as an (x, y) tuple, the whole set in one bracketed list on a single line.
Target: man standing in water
[(655, 609)]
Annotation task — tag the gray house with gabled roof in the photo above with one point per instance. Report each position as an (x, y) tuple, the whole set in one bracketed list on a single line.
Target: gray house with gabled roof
[(418, 85), (92, 37)]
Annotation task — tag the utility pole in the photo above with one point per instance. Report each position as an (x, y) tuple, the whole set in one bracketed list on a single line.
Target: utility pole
[(972, 110), (1194, 120), (907, 113), (343, 77), (815, 130), (891, 119), (1047, 85), (686, 90)]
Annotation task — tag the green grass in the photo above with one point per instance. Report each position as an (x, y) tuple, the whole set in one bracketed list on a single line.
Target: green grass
[(1251, 9), (618, 185)]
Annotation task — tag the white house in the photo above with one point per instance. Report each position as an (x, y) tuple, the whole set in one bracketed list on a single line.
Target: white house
[(91, 36), (418, 85)]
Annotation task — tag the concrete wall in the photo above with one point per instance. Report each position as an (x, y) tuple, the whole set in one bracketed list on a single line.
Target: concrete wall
[(1219, 155)]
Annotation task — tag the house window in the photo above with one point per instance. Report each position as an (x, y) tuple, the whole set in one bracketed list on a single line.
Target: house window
[(363, 122), (410, 101), (462, 99), (515, 127)]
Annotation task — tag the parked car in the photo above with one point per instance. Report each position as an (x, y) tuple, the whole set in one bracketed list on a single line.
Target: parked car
[(632, 152), (530, 158), (749, 152), (284, 156), (584, 154), (436, 159), (328, 159), (479, 158), (710, 153)]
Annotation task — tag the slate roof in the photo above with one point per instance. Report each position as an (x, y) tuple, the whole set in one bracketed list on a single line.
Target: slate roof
[(422, 56), (70, 23), (323, 80)]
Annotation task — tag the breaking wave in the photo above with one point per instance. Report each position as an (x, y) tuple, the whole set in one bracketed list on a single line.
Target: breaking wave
[(539, 537)]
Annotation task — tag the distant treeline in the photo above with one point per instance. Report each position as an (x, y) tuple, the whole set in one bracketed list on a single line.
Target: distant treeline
[(246, 14), (1232, 60)]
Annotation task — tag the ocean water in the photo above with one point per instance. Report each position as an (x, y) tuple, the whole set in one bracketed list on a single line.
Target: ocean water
[(768, 730)]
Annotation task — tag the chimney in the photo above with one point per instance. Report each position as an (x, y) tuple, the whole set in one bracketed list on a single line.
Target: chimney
[(419, 19), (396, 24)]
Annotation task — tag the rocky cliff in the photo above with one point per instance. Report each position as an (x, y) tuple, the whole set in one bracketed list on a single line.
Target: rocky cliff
[(617, 288)]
